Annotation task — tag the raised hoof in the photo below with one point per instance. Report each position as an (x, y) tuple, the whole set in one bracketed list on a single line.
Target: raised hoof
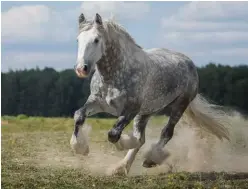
[(149, 164), (113, 135), (126, 142)]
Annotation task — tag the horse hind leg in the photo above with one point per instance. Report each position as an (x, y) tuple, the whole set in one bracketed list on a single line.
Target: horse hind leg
[(136, 141), (156, 155)]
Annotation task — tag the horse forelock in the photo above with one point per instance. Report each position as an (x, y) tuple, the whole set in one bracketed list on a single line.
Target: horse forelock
[(85, 26)]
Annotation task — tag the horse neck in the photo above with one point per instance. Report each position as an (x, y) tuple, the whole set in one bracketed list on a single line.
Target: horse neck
[(114, 62)]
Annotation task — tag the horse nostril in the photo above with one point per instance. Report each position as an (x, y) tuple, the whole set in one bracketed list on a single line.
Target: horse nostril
[(85, 68)]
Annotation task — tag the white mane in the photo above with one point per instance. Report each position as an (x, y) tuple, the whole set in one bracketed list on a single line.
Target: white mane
[(111, 26)]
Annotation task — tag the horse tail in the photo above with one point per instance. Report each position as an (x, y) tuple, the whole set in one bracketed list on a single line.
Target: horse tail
[(208, 116)]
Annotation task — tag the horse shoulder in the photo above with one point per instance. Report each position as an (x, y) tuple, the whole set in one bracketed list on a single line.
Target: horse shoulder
[(115, 97)]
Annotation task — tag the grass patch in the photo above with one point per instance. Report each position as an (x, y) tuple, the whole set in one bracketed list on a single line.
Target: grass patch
[(28, 141), (26, 176), (23, 123)]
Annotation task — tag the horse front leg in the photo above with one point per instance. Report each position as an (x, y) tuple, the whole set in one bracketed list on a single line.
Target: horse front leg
[(78, 140), (115, 133)]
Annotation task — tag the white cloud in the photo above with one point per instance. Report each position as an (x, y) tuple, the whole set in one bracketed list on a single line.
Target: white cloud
[(208, 29), (21, 60), (224, 52), (202, 26), (212, 10), (122, 10), (36, 22), (206, 37), (42, 23), (203, 21), (230, 52)]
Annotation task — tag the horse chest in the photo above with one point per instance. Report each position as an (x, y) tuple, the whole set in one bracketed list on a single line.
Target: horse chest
[(114, 100)]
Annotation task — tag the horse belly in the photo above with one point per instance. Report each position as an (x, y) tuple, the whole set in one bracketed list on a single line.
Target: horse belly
[(161, 91), (111, 110), (153, 105)]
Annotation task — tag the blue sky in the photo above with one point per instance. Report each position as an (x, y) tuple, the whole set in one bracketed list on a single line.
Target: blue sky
[(44, 33)]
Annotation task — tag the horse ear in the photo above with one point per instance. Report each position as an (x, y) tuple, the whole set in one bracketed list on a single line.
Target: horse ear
[(81, 18), (98, 19)]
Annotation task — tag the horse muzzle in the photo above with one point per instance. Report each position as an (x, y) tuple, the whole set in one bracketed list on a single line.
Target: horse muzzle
[(82, 71)]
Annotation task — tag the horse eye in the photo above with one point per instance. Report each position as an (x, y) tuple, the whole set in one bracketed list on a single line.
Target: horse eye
[(96, 40)]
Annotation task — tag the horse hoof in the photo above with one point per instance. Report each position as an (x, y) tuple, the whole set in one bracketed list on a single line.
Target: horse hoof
[(127, 142), (155, 156), (149, 164), (80, 149), (113, 135), (119, 170), (79, 144)]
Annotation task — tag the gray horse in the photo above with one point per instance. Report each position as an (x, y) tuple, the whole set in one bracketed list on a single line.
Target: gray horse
[(132, 83)]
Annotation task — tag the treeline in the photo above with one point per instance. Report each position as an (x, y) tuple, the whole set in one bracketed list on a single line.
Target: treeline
[(49, 93), (44, 92)]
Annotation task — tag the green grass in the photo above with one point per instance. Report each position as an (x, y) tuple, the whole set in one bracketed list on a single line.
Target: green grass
[(23, 123), (28, 143)]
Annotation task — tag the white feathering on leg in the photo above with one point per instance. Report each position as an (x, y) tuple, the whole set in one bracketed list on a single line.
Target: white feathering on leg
[(80, 144), (127, 141)]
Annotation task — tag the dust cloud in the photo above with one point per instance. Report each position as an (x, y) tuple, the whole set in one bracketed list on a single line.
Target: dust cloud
[(191, 149)]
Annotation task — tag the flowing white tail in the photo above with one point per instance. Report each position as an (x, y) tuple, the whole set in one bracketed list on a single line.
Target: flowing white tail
[(208, 117)]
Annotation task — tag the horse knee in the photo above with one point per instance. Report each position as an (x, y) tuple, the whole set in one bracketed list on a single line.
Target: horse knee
[(77, 114), (79, 117)]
